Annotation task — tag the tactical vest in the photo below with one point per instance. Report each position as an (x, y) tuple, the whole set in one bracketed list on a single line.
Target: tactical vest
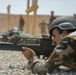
[(72, 58), (72, 37)]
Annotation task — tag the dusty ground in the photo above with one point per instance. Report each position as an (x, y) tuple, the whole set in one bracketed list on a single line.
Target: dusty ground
[(13, 63)]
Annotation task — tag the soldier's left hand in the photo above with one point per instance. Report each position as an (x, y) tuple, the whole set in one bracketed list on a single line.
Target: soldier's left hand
[(28, 52)]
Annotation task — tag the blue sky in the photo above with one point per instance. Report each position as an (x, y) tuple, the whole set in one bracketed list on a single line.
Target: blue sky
[(60, 7)]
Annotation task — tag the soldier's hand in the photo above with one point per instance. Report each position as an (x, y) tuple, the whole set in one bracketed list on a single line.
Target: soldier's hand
[(28, 52)]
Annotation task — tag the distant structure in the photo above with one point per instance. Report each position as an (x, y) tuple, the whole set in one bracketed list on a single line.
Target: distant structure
[(29, 9), (21, 23), (42, 25)]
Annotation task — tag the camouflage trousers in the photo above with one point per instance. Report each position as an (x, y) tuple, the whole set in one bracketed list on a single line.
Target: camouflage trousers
[(62, 73)]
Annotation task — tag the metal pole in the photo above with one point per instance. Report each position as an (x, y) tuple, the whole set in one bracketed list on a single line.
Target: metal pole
[(34, 22), (27, 19)]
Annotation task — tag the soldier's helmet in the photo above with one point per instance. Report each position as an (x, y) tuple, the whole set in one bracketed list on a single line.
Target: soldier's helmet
[(13, 31), (64, 23)]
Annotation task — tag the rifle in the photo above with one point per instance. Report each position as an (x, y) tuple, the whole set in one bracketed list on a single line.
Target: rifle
[(44, 48)]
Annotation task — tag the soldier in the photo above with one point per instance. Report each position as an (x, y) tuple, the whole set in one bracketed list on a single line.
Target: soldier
[(63, 57), (52, 17), (21, 23), (17, 36), (12, 34), (74, 15), (43, 27)]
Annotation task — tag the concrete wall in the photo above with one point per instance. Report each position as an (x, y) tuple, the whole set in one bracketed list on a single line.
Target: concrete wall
[(14, 22)]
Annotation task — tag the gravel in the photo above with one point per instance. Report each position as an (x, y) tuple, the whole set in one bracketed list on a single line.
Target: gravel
[(13, 63)]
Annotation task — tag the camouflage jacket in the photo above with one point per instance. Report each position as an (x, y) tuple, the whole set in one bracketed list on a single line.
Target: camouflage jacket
[(63, 56)]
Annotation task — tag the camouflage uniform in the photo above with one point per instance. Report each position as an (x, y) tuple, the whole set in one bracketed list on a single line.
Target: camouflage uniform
[(21, 23), (51, 19), (21, 38), (63, 57), (43, 27)]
